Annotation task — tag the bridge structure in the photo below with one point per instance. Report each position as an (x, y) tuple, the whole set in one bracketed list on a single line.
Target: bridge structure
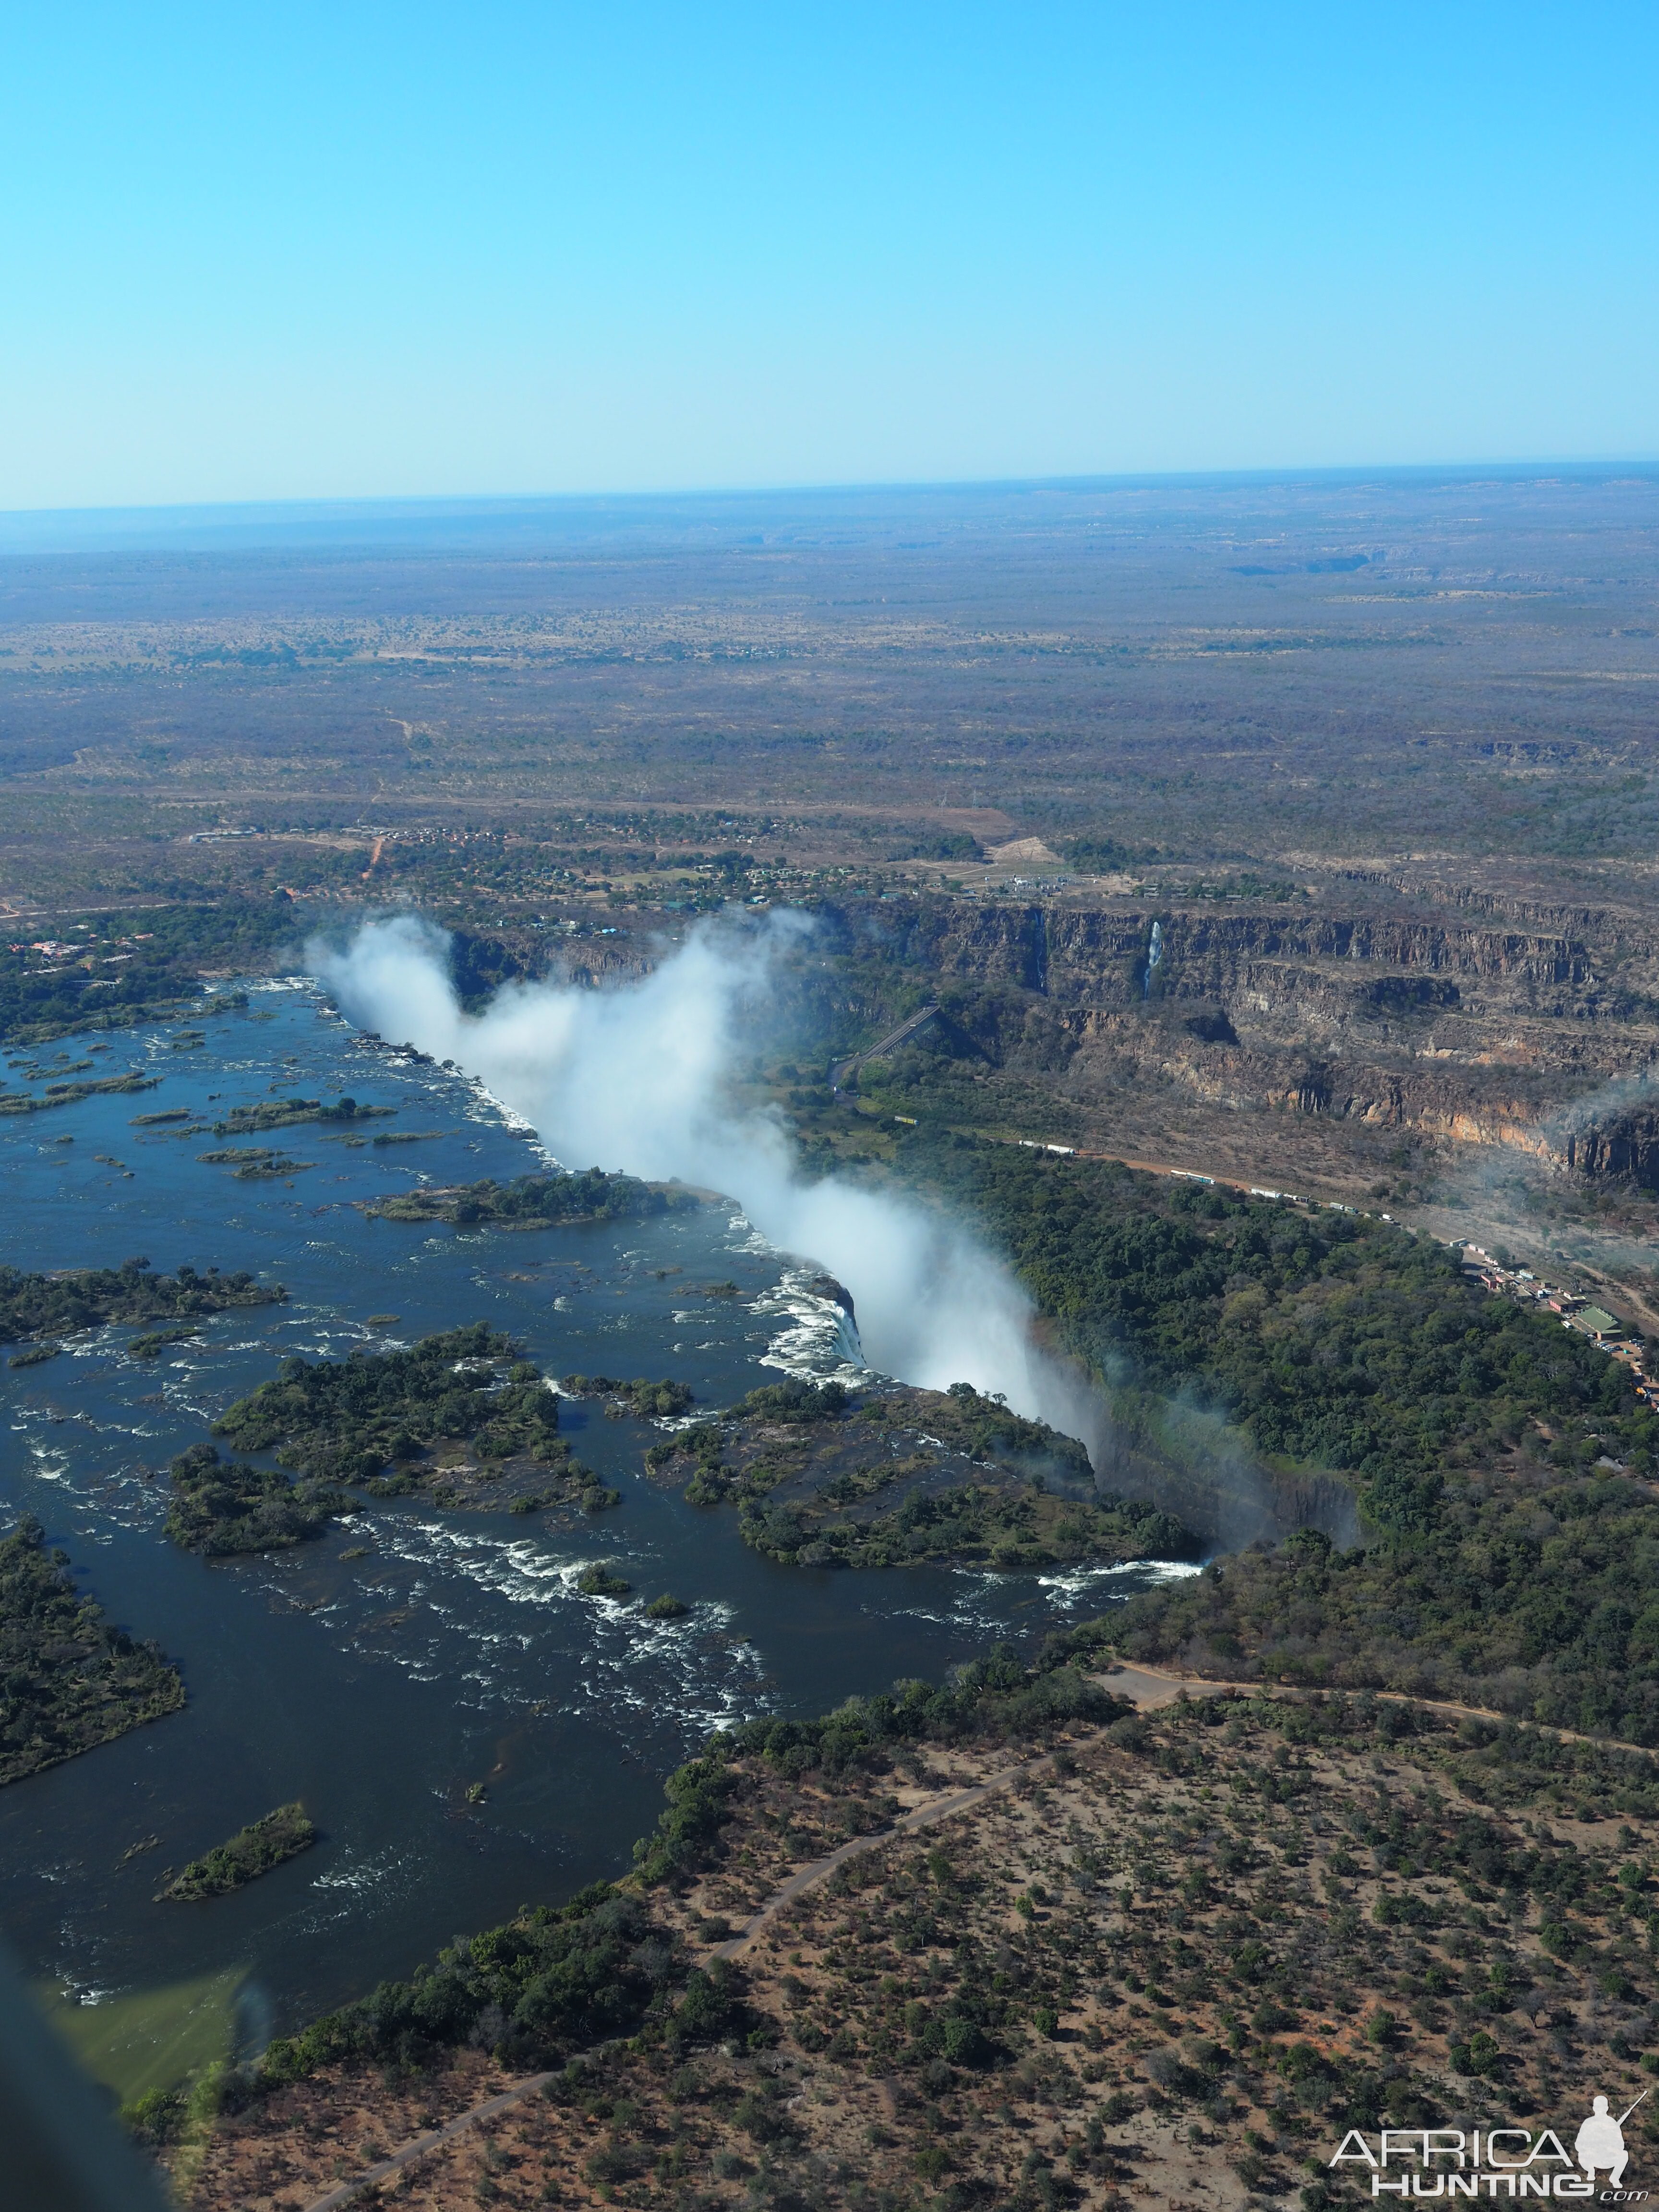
[(842, 1072)]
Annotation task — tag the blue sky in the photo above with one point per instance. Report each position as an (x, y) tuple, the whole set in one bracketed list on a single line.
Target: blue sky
[(365, 250)]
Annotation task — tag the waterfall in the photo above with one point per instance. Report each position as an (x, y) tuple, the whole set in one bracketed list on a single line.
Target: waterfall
[(1154, 954)]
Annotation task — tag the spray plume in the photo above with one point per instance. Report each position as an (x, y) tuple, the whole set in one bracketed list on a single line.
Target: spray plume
[(634, 1078)]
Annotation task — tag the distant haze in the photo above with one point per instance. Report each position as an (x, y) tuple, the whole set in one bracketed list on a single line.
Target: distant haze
[(1261, 513)]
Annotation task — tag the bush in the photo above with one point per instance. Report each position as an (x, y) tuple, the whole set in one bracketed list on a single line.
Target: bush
[(1480, 2055), (157, 2117), (549, 1981), (224, 1506), (616, 2162), (1304, 2062), (710, 2007), (963, 2042), (760, 2116)]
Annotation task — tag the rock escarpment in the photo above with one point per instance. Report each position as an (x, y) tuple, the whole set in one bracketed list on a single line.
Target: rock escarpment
[(1536, 1033)]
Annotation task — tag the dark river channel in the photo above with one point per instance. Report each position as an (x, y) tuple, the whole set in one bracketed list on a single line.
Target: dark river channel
[(458, 1650)]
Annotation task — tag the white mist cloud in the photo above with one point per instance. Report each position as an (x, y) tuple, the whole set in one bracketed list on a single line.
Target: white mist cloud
[(634, 1078)]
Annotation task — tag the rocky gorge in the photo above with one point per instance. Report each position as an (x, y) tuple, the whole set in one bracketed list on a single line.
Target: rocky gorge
[(1533, 1030)]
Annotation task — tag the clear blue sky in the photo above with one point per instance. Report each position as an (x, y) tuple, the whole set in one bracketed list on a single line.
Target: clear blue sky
[(364, 249)]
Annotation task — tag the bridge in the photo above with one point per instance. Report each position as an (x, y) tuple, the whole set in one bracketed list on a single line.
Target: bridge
[(842, 1070)]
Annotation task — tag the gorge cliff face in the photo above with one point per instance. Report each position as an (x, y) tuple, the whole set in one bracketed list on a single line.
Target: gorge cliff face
[(1471, 1030)]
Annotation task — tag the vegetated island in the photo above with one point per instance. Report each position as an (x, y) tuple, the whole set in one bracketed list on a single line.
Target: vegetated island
[(646, 1401), (251, 1851), (71, 1094), (254, 1163), (87, 1297), (536, 1201), (1152, 1961), (822, 1478), (156, 1341), (223, 1506), (67, 1680), (459, 1417), (286, 1112)]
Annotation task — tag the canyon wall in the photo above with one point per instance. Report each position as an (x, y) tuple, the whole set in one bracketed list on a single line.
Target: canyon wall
[(1464, 1028)]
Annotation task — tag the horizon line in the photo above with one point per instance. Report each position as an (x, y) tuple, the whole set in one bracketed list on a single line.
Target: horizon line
[(346, 503)]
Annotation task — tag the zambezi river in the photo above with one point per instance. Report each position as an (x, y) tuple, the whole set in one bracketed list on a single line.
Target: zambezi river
[(457, 1649)]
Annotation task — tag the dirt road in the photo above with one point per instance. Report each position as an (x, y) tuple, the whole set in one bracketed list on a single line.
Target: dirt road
[(1149, 1689)]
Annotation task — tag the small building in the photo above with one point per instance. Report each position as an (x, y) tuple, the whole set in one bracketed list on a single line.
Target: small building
[(1597, 1321)]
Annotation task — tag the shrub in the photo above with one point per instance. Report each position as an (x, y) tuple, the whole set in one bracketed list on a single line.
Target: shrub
[(552, 1979)]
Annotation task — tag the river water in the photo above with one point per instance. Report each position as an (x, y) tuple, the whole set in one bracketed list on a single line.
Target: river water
[(458, 1650)]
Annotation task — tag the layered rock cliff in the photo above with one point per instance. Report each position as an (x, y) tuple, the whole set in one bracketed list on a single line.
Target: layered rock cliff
[(1470, 1029)]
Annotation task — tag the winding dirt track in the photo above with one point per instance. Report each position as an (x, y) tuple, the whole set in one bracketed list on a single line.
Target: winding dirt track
[(1148, 1688), (817, 1870), (422, 2146), (806, 1878)]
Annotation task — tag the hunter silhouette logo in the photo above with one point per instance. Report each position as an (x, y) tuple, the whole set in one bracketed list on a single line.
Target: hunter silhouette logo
[(1448, 2162), (1601, 2143)]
